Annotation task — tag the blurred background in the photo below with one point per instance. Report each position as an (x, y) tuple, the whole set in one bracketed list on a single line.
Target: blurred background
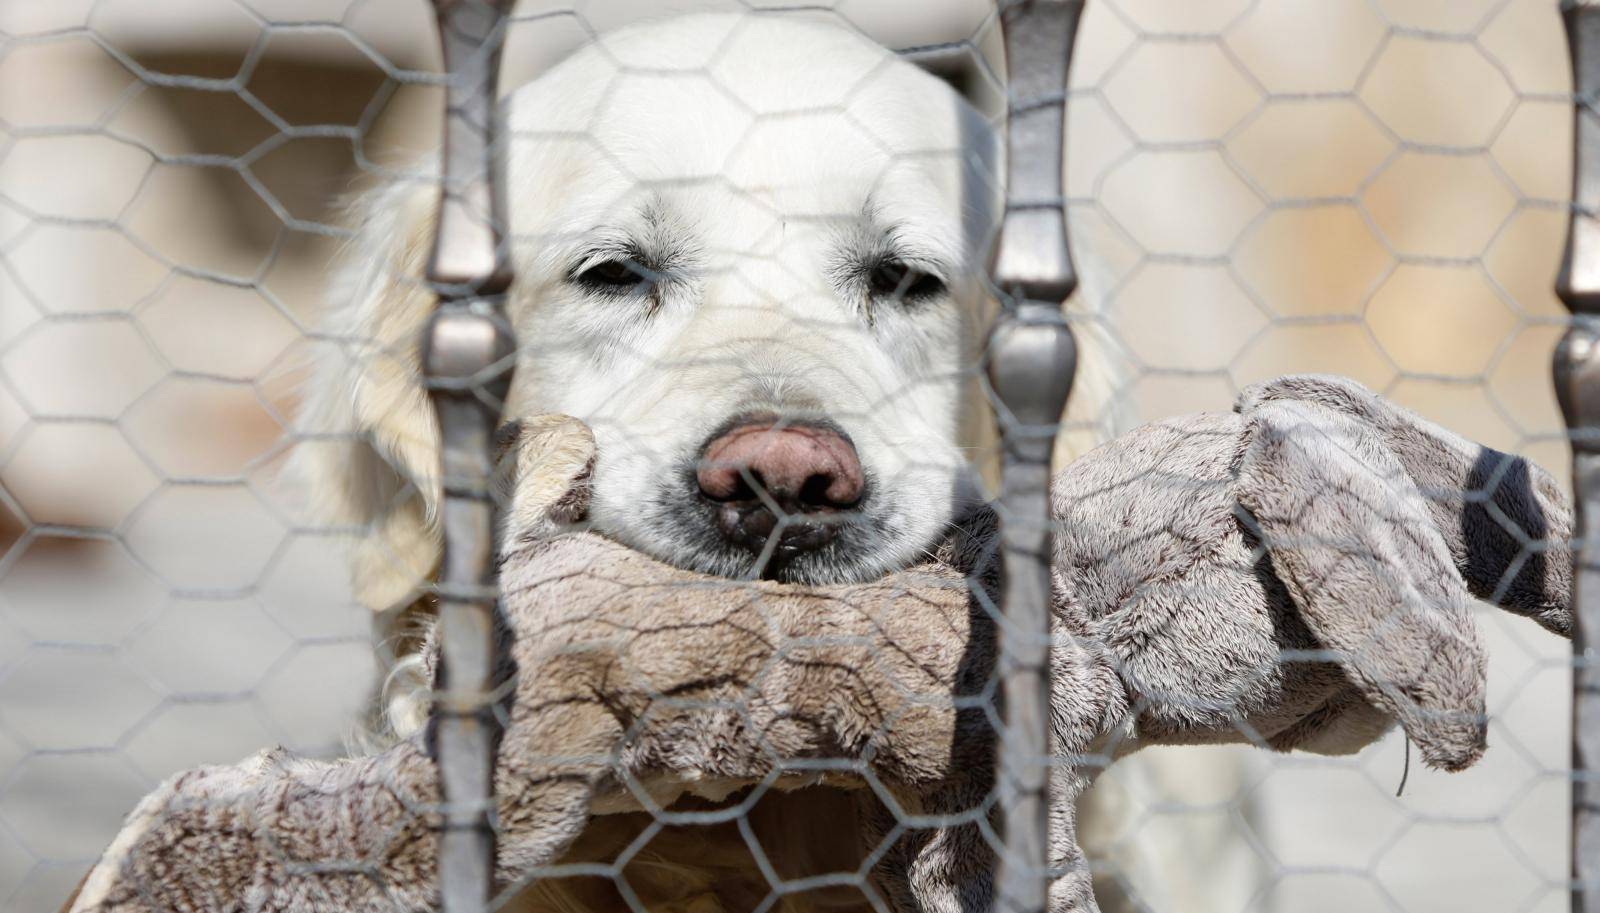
[(1376, 188)]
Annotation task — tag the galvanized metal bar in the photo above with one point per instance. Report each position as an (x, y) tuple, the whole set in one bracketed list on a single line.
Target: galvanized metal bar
[(1031, 359), (467, 369), (1577, 379)]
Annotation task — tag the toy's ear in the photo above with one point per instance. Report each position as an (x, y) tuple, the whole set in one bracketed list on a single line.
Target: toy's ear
[(544, 468), (1507, 522), (1350, 536)]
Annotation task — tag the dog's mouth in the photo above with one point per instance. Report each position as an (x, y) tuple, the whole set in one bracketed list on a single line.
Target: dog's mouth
[(780, 539), (755, 538), (755, 527)]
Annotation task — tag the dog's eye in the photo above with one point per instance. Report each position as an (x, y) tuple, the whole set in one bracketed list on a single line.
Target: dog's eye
[(899, 280), (614, 277)]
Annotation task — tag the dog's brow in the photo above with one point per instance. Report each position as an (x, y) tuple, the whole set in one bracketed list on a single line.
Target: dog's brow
[(646, 235), (652, 213), (882, 235)]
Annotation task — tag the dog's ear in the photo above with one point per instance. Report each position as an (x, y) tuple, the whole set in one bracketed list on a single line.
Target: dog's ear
[(367, 452)]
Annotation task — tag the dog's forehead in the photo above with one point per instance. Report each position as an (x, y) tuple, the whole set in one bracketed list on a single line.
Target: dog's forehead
[(806, 117)]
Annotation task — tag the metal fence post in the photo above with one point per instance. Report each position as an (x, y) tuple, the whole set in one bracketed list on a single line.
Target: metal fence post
[(1031, 358), (467, 360), (1577, 379)]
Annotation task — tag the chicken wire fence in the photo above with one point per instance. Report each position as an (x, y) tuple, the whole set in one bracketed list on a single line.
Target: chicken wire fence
[(1255, 188)]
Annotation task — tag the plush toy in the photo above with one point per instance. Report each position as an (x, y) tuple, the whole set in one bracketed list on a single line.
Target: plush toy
[(1299, 573)]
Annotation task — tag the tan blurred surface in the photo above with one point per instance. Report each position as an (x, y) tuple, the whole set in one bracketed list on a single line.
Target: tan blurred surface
[(1373, 189)]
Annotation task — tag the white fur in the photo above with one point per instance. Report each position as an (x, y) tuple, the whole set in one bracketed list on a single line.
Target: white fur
[(757, 160)]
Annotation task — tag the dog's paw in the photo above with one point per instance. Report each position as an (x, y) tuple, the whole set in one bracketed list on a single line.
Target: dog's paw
[(545, 464)]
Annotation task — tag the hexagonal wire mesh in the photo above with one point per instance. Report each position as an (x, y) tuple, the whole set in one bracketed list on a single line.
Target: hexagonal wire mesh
[(1375, 189)]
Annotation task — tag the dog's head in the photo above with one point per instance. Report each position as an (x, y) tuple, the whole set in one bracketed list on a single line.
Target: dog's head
[(748, 254)]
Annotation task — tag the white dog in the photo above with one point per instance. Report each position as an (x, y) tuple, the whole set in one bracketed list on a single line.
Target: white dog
[(749, 256)]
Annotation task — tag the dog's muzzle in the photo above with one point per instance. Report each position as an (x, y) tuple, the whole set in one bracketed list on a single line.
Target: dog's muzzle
[(766, 478)]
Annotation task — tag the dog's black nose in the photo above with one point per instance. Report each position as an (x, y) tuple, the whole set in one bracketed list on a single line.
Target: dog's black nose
[(762, 474)]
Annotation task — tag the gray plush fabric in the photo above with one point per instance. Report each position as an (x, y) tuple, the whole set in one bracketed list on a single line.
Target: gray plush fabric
[(1298, 573)]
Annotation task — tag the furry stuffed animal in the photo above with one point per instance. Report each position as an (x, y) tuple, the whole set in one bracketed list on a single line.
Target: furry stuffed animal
[(1298, 573)]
